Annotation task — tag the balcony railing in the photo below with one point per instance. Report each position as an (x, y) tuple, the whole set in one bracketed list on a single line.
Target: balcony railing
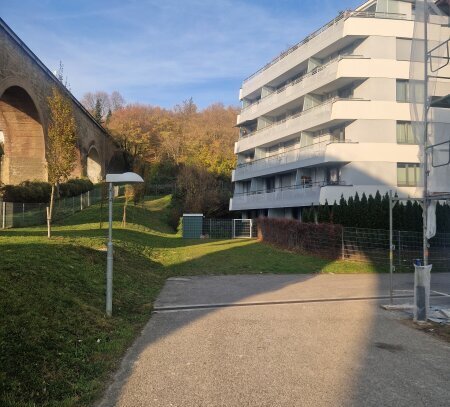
[(302, 78), (297, 115), (343, 16), (302, 186), (290, 156)]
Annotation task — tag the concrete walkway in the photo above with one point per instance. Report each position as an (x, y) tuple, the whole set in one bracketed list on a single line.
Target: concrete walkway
[(270, 340)]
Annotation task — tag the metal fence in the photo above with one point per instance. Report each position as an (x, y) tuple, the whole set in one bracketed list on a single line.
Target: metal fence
[(372, 245), (355, 244), (221, 229), (16, 215)]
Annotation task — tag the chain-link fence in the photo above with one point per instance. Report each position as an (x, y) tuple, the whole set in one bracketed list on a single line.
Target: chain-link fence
[(16, 215)]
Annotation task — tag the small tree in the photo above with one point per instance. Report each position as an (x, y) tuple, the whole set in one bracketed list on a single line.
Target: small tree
[(98, 112), (62, 147)]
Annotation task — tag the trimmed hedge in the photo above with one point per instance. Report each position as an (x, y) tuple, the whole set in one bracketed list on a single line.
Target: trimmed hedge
[(324, 239), (39, 192)]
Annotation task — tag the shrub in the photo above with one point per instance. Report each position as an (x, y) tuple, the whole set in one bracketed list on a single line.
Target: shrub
[(324, 239), (74, 187), (39, 192)]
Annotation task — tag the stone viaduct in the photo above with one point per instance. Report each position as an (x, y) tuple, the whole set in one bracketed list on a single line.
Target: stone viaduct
[(25, 84)]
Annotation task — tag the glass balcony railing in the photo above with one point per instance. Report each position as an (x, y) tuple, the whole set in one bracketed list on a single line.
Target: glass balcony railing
[(297, 115), (341, 17), (301, 79), (289, 156), (302, 186)]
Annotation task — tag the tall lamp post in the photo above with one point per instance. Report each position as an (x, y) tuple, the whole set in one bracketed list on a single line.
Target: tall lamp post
[(111, 179)]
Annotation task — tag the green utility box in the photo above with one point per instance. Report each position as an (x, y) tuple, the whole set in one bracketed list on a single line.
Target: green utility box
[(192, 225)]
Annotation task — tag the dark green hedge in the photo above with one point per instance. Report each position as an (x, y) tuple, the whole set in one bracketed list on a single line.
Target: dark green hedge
[(39, 192), (373, 213)]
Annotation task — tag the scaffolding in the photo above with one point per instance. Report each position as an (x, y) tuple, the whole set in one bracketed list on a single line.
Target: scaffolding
[(430, 60)]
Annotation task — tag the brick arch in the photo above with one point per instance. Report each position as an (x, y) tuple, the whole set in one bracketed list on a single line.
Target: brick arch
[(23, 155), (94, 165)]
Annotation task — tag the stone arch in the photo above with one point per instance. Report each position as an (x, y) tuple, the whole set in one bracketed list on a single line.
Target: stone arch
[(22, 136), (94, 165)]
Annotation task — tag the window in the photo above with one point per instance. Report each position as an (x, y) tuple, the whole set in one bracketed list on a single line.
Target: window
[(246, 185), (403, 49), (408, 175), (346, 93), (272, 150), (402, 90), (270, 184), (405, 134), (409, 93), (333, 175), (338, 135)]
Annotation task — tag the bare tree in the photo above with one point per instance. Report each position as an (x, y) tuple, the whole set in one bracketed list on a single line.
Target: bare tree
[(116, 101)]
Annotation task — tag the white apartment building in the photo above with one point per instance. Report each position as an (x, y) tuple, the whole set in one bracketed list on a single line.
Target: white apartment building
[(330, 116)]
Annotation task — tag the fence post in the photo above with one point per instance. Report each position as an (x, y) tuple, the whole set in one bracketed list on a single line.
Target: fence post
[(399, 249), (81, 201), (251, 228), (4, 215), (232, 229), (342, 244), (23, 214)]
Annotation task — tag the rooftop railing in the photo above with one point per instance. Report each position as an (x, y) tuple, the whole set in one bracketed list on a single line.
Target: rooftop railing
[(297, 115), (341, 17), (302, 78)]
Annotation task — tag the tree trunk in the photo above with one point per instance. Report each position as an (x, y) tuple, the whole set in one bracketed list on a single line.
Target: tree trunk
[(50, 212), (124, 217)]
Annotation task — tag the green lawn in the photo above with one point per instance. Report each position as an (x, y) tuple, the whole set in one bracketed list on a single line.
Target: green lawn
[(57, 348)]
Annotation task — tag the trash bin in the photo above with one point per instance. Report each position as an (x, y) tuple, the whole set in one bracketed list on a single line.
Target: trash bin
[(422, 278)]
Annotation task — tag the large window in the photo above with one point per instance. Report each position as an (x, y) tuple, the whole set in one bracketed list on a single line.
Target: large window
[(405, 134), (408, 175)]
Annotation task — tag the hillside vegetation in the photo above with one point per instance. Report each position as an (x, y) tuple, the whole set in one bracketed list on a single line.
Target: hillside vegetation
[(57, 348)]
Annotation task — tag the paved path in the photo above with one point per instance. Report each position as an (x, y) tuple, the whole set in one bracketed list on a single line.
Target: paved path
[(292, 341)]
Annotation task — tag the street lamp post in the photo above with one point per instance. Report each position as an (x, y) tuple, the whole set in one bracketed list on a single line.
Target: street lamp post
[(125, 178)]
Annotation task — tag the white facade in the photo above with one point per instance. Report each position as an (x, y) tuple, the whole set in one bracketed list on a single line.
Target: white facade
[(330, 116)]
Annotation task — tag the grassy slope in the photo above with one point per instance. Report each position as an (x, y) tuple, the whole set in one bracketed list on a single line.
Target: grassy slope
[(56, 346)]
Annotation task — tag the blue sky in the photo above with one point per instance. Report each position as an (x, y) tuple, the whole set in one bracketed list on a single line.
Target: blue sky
[(161, 52)]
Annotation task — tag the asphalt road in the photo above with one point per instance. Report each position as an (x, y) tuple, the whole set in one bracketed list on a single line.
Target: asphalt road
[(268, 340)]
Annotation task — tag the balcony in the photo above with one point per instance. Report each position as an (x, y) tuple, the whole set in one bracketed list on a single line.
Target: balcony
[(306, 120), (285, 161), (291, 196), (318, 77), (349, 23)]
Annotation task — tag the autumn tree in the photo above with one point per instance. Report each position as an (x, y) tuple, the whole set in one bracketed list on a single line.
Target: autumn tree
[(62, 145), (137, 129)]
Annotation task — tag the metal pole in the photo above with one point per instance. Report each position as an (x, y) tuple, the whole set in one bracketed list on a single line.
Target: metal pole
[(4, 215), (391, 251), (425, 139), (109, 258)]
